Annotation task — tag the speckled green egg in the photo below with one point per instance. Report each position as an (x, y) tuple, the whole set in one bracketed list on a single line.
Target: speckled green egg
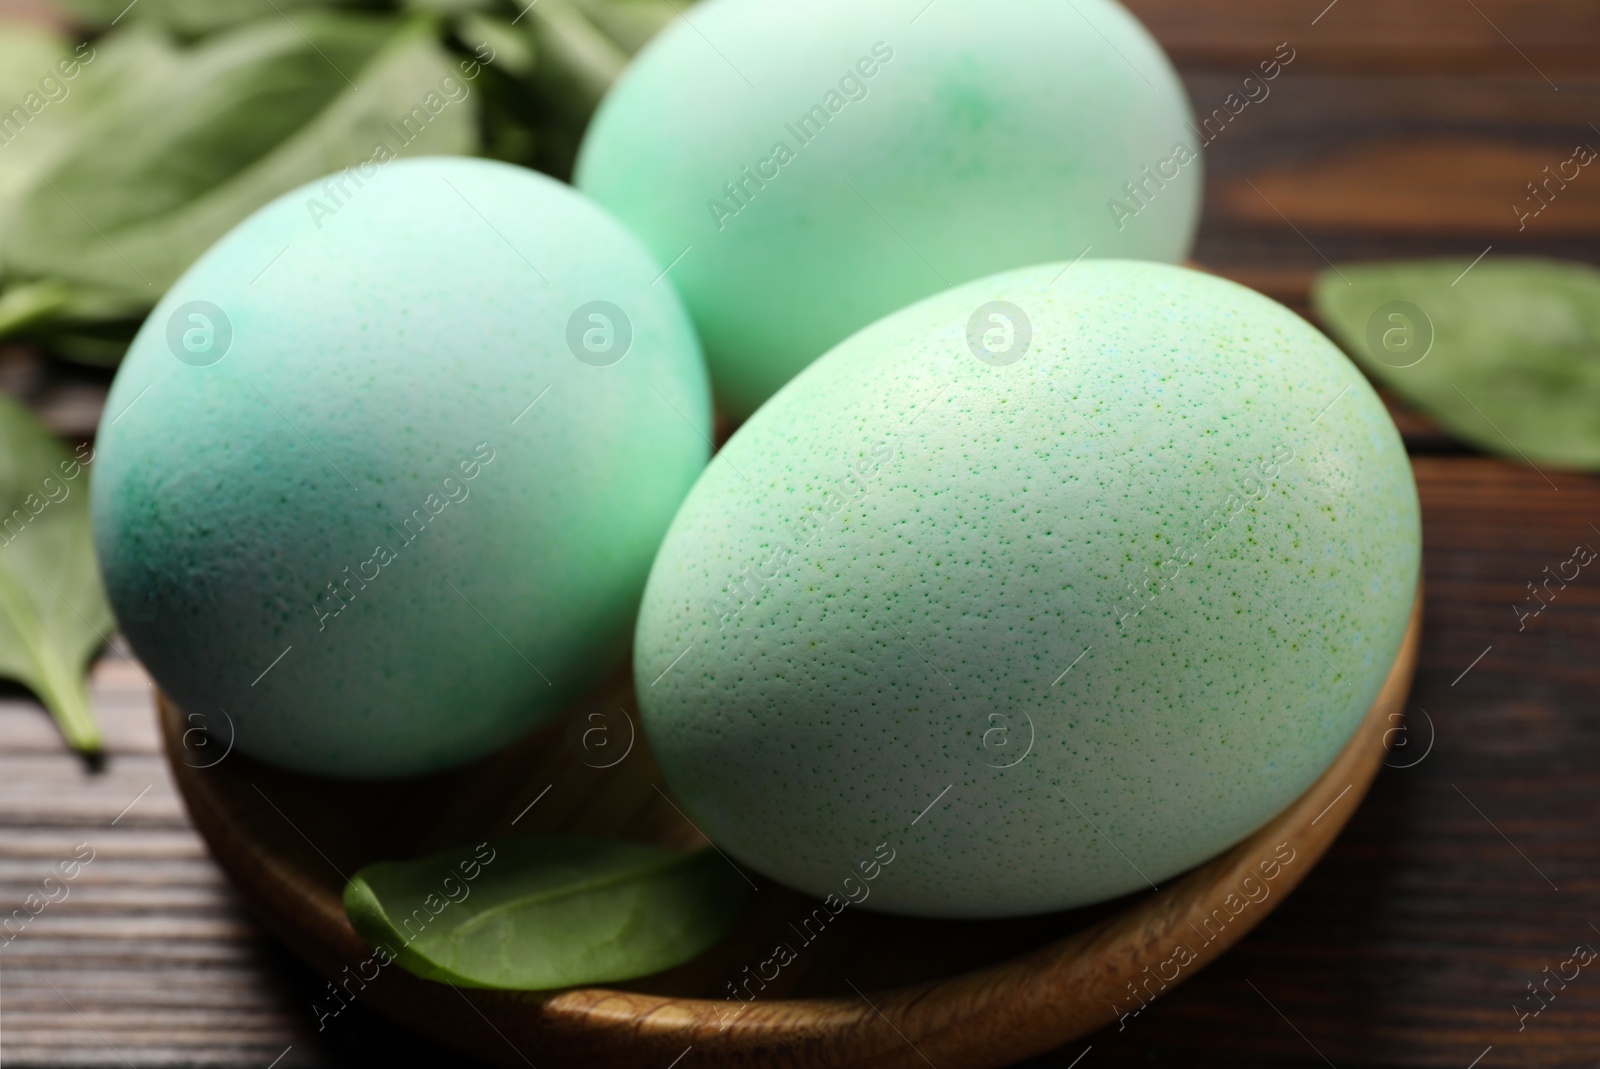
[(380, 480), (1047, 587), (809, 166)]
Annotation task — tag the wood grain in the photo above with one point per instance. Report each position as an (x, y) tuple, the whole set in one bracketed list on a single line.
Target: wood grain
[(963, 994), (1376, 36), (1407, 945)]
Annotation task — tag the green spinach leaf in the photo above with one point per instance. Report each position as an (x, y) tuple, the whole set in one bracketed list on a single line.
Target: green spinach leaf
[(539, 913), (1505, 353), (29, 56), (247, 115), (55, 91), (53, 611), (631, 23), (576, 63), (190, 18), (187, 115)]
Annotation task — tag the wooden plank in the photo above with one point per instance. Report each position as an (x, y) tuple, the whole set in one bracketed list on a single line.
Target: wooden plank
[(1399, 129), (1558, 37), (1436, 185), (149, 960), (1448, 935)]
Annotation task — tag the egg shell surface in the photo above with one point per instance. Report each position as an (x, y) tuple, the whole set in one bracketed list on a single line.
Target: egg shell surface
[(1053, 585), (376, 491), (808, 167)]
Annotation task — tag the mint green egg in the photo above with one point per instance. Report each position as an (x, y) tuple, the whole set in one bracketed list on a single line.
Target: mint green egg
[(809, 167), (1050, 586), (380, 480)]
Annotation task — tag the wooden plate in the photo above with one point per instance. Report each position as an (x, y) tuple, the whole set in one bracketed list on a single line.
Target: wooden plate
[(869, 990)]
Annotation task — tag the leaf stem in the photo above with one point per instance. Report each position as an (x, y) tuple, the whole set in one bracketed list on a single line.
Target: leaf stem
[(60, 684), (66, 695)]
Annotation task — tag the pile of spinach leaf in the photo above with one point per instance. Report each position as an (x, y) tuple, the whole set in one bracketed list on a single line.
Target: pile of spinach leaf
[(125, 155)]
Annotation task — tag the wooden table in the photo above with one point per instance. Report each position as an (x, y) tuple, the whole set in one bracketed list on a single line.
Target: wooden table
[(1398, 129)]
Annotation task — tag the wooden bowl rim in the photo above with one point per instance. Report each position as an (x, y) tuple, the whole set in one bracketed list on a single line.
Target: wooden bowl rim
[(988, 1016)]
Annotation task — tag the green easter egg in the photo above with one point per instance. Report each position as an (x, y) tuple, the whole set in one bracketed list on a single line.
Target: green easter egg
[(1050, 586), (380, 479), (808, 167)]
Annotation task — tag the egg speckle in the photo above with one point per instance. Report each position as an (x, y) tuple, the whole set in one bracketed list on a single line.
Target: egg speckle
[(1055, 625), (380, 481), (808, 167)]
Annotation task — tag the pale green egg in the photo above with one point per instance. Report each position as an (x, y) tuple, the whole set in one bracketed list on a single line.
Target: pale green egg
[(380, 479), (808, 167), (1053, 585)]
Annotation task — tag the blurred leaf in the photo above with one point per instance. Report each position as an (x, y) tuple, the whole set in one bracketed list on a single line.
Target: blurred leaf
[(28, 56), (496, 43), (546, 912), (98, 343), (53, 611), (117, 67), (190, 18), (451, 7), (630, 23), (81, 323), (576, 61), (21, 306), (27, 51), (1506, 356), (153, 150), (164, 172), (497, 58)]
